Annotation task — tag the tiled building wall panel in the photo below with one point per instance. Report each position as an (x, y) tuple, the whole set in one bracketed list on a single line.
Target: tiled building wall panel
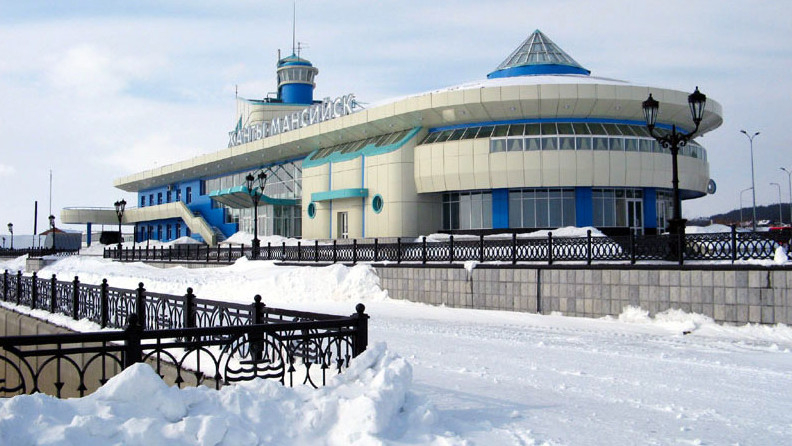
[(727, 295)]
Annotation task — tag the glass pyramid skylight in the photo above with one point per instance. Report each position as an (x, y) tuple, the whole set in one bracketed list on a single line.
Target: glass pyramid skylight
[(538, 55)]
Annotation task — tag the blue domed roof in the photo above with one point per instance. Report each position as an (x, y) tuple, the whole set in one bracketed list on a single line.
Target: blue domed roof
[(293, 60), (538, 55)]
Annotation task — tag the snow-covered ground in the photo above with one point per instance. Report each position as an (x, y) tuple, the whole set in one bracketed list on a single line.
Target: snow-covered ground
[(437, 375)]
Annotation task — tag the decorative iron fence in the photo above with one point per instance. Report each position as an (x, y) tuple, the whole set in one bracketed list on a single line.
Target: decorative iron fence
[(218, 341), (37, 252), (727, 246), (179, 253)]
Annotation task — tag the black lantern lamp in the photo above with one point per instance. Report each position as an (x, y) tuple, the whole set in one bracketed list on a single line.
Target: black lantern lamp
[(11, 231), (119, 208), (52, 221), (255, 192), (674, 141)]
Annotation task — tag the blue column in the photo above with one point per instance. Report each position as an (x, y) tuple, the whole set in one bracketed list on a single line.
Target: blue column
[(500, 208), (88, 235), (650, 207), (584, 207)]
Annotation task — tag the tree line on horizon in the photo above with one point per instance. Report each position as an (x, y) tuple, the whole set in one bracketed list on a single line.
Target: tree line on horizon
[(768, 212)]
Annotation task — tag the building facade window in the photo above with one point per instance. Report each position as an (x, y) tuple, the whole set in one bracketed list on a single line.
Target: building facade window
[(168, 196), (610, 206), (541, 208), (178, 194), (188, 195), (159, 197), (565, 136), (231, 215), (151, 199), (142, 201), (467, 210), (283, 181), (664, 208)]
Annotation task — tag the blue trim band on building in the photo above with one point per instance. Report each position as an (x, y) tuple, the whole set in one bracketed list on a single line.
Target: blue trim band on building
[(339, 194), (538, 70), (500, 208)]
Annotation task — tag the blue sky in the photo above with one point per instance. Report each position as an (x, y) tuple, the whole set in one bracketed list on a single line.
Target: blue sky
[(95, 90)]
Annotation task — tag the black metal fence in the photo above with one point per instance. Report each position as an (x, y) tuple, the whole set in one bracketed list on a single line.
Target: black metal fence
[(199, 339), (727, 246), (179, 253), (36, 252)]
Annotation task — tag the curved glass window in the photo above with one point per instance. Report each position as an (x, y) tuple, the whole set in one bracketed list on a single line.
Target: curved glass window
[(563, 136), (541, 208), (609, 206), (376, 141), (467, 210)]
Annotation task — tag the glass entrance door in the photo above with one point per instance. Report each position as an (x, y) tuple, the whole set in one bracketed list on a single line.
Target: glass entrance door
[(635, 215)]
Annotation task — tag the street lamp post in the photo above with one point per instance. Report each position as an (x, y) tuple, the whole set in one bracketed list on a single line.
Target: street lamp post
[(119, 208), (780, 216), (751, 138), (255, 192), (789, 178), (52, 221), (11, 231), (674, 141), (741, 205)]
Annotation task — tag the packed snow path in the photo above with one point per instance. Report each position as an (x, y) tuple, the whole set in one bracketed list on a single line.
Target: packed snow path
[(508, 378), (499, 378)]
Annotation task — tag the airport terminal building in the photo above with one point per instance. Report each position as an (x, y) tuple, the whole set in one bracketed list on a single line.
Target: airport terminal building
[(538, 143)]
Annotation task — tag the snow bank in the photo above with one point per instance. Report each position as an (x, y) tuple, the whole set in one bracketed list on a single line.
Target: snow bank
[(675, 320), (13, 265), (678, 321), (368, 404), (238, 282), (246, 238), (184, 241)]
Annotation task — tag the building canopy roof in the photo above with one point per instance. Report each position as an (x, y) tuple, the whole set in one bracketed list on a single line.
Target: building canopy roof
[(535, 56)]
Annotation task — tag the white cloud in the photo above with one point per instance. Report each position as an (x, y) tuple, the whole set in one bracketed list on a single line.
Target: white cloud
[(89, 69), (6, 170), (150, 151)]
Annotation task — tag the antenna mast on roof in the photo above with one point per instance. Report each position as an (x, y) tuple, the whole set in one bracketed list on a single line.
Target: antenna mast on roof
[(294, 27)]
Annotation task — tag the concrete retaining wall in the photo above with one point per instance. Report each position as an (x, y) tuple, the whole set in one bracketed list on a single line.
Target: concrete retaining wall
[(736, 294)]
